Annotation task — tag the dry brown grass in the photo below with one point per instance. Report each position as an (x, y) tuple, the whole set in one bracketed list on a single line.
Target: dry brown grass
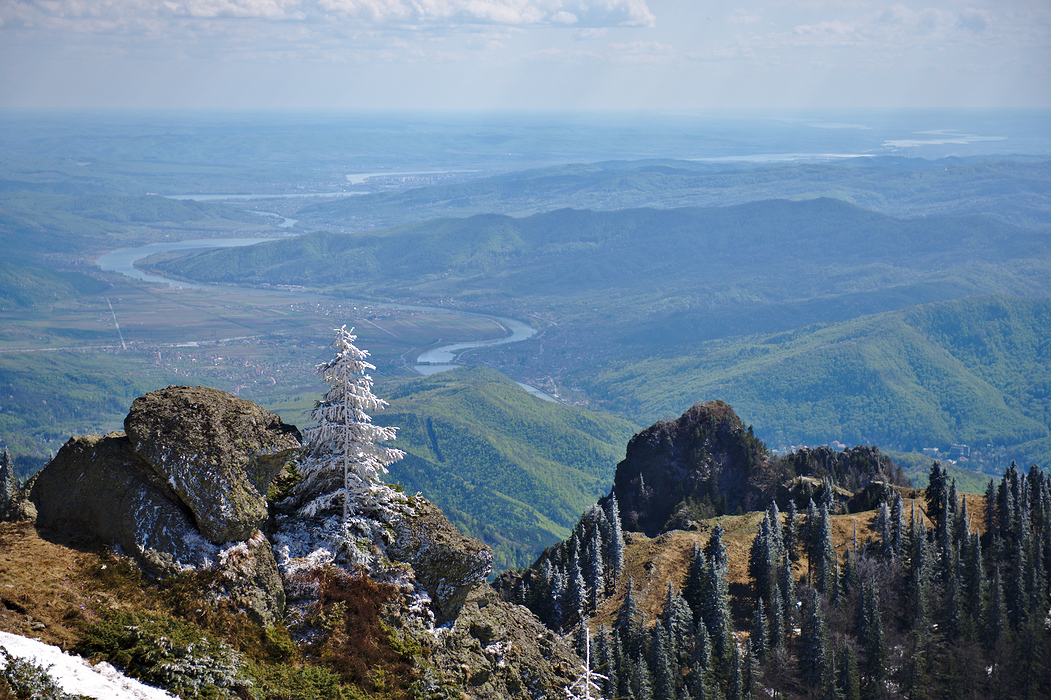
[(652, 563), (46, 582)]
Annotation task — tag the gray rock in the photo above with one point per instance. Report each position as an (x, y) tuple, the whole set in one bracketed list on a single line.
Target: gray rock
[(499, 651), (445, 563), (216, 451), (96, 488)]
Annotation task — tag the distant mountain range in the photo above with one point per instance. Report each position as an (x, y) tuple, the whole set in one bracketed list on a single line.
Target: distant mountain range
[(818, 319)]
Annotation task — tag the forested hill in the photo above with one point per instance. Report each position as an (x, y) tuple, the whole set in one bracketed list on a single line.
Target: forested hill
[(772, 250), (1015, 191), (504, 466)]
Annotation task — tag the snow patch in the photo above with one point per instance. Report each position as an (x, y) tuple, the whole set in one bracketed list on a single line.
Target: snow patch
[(76, 675)]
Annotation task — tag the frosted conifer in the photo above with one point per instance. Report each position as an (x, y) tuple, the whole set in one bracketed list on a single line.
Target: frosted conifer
[(344, 461), (586, 686)]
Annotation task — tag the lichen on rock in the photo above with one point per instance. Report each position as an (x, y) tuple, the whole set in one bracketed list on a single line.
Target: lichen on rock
[(216, 451)]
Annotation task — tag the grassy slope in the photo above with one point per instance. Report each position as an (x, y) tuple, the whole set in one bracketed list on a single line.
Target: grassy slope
[(505, 466), (972, 371)]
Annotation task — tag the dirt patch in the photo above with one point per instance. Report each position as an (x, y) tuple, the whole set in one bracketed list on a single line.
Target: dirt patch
[(46, 586)]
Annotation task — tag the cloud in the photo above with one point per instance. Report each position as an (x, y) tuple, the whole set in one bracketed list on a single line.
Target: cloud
[(93, 15), (585, 13), (260, 9), (743, 16), (975, 20)]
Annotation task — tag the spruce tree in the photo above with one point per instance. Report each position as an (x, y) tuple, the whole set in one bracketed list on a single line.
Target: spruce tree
[(664, 685), (615, 554), (870, 635), (344, 461), (595, 579), (791, 532), (759, 639), (678, 620), (826, 575), (715, 550), (849, 681), (814, 649), (897, 526)]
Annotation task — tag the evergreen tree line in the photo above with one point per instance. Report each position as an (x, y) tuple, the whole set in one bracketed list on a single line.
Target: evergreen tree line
[(918, 611), (573, 576)]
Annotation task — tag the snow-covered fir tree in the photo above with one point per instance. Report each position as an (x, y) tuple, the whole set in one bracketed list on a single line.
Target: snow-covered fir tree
[(344, 461)]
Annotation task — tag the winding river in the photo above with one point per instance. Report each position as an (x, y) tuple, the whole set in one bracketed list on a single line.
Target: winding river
[(431, 361)]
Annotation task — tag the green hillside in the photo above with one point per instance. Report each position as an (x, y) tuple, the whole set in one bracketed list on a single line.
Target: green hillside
[(646, 260), (506, 467), (974, 371), (35, 223), (27, 285)]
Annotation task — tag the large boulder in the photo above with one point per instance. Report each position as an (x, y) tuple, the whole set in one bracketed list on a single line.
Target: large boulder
[(445, 563), (216, 451), (96, 488)]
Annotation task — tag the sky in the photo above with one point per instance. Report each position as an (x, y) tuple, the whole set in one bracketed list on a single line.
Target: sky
[(524, 54)]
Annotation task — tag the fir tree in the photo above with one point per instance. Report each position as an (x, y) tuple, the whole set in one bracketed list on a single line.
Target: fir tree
[(848, 682), (715, 550), (897, 526), (758, 640), (664, 685), (870, 635), (615, 554), (825, 575), (791, 531), (343, 463), (595, 579), (629, 620), (678, 621), (815, 653)]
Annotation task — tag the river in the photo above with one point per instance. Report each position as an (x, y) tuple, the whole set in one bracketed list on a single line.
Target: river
[(439, 359)]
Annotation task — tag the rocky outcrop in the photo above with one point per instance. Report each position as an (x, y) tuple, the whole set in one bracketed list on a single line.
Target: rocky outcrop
[(216, 451), (702, 464), (497, 651), (445, 563), (186, 491), (97, 488)]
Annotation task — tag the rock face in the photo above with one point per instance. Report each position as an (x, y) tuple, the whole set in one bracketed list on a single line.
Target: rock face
[(97, 488), (199, 458), (216, 451), (698, 465), (446, 563), (497, 650)]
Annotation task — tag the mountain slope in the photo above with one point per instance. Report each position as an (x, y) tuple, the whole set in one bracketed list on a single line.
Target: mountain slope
[(761, 252), (506, 467), (973, 371)]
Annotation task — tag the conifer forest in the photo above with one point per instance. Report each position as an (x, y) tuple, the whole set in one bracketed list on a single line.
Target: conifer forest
[(948, 601)]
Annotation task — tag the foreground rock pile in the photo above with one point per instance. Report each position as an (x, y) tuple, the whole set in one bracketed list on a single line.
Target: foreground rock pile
[(184, 487)]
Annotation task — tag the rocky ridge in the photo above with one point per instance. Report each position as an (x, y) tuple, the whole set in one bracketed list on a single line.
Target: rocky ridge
[(184, 488)]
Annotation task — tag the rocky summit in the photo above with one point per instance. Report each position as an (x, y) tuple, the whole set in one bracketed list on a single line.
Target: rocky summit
[(184, 490), (680, 469)]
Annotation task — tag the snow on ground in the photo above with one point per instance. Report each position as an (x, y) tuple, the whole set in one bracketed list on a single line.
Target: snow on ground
[(75, 675)]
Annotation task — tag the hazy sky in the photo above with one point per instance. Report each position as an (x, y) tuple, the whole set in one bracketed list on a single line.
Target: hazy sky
[(668, 54)]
